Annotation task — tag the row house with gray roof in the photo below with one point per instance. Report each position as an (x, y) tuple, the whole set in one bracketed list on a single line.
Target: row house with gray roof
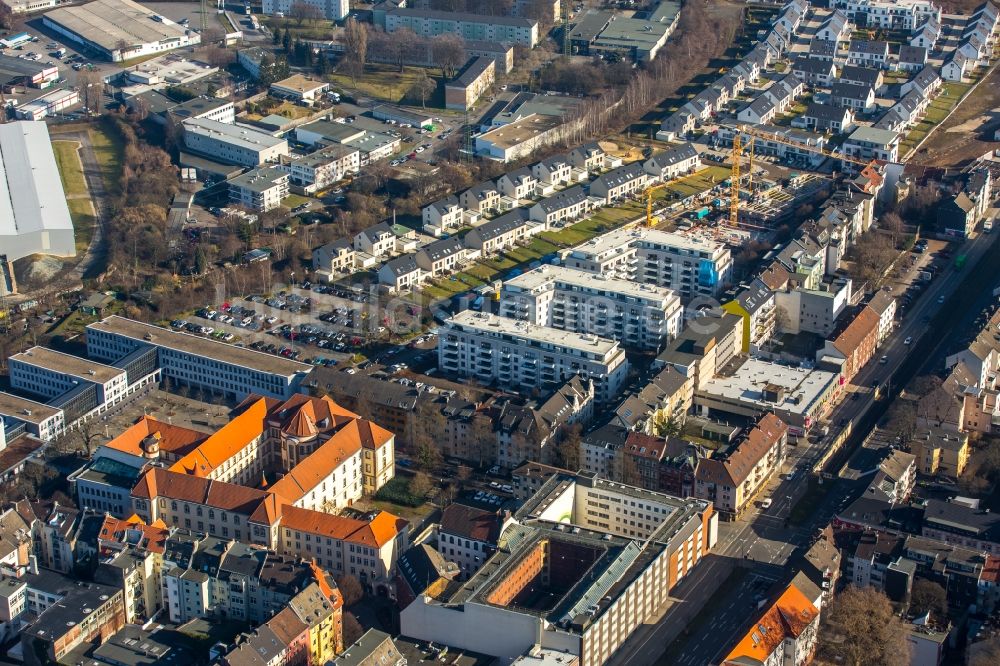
[(673, 162), (619, 183), (567, 205), (814, 71)]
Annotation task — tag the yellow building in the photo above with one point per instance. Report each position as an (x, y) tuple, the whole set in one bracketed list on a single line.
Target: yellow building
[(755, 304), (940, 451)]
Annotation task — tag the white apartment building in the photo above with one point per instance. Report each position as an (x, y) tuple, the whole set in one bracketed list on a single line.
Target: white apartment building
[(45, 372), (195, 361), (260, 189), (869, 143), (507, 352), (430, 23), (636, 315), (689, 265), (331, 10), (232, 143), (890, 14), (323, 168)]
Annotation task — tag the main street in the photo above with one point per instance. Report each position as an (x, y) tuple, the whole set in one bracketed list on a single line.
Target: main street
[(762, 534)]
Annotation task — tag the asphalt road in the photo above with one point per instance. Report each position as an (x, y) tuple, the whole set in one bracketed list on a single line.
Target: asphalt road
[(762, 535)]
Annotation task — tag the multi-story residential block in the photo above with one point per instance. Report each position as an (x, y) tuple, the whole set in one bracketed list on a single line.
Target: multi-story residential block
[(960, 524), (194, 361), (941, 452), (705, 346), (331, 10), (785, 635), (507, 352), (590, 536), (468, 534), (756, 304), (54, 532), (890, 14), (733, 476), (474, 79), (688, 265), (813, 310), (636, 315), (853, 346), (323, 168), (883, 303), (231, 143), (69, 613), (430, 23), (260, 189), (658, 406), (867, 143)]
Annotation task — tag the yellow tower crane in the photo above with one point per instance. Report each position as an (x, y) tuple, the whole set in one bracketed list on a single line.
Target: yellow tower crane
[(754, 133)]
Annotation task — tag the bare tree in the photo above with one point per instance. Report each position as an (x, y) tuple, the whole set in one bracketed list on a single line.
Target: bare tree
[(448, 51), (91, 89), (351, 589), (423, 87), (302, 12), (861, 629), (356, 45)]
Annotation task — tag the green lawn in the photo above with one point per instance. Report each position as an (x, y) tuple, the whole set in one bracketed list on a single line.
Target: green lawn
[(70, 168), (110, 151), (84, 219), (293, 200), (700, 181)]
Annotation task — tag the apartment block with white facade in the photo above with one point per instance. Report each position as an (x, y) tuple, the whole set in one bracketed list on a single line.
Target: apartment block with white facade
[(40, 420), (507, 352), (430, 23), (689, 265), (45, 372), (637, 315), (331, 10), (232, 143), (260, 189), (323, 168)]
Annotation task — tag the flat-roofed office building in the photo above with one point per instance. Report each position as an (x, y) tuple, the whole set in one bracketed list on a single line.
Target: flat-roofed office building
[(195, 361)]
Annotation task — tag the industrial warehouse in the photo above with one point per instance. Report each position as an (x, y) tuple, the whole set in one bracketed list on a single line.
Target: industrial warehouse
[(119, 29)]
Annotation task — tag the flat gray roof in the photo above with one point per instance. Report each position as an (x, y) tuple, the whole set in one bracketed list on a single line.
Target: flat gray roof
[(237, 135), (259, 180), (108, 23), (26, 410), (192, 344), (66, 364)]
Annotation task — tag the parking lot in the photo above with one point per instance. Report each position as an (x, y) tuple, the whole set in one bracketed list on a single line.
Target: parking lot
[(320, 325)]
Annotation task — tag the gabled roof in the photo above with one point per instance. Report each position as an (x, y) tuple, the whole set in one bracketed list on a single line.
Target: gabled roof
[(868, 46), (445, 205), (520, 176), (172, 439), (225, 443), (788, 618), (755, 296), (864, 324), (441, 249), (560, 200), (482, 190), (672, 156), (858, 74), (382, 529), (504, 224), (851, 91), (133, 531), (822, 47), (812, 66), (471, 522), (620, 176), (403, 265), (881, 301), (912, 54), (825, 112), (734, 469), (257, 505), (375, 232)]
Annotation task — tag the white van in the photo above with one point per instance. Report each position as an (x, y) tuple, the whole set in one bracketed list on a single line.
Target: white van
[(766, 504)]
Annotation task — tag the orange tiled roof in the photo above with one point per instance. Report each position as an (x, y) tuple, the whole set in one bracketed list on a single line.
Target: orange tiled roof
[(327, 585), (258, 505), (176, 440), (287, 626), (787, 618), (322, 410), (154, 537), (229, 440), (382, 529), (320, 463)]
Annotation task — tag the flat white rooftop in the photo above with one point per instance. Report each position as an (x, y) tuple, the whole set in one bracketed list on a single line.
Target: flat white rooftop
[(34, 217), (491, 325), (192, 344), (113, 23), (544, 276), (235, 134), (622, 240), (802, 386), (66, 364), (22, 409)]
